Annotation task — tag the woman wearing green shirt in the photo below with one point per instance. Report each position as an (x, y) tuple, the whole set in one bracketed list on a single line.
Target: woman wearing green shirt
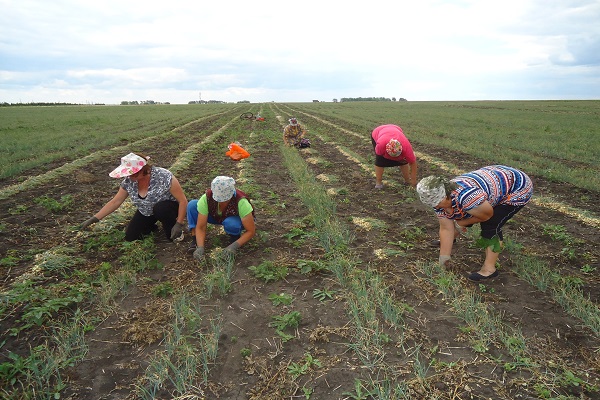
[(224, 205)]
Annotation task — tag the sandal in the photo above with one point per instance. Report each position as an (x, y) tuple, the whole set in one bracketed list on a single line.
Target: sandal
[(476, 276)]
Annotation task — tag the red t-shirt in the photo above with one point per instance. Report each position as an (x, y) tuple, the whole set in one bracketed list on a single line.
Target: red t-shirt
[(383, 134)]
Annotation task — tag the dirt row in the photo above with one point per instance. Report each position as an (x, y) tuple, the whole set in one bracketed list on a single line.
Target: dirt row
[(117, 359)]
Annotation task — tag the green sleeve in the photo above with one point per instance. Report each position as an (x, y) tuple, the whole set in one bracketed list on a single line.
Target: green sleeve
[(244, 207), (203, 205)]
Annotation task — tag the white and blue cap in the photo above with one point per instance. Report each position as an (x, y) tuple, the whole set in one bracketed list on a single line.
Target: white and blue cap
[(223, 188), (431, 190)]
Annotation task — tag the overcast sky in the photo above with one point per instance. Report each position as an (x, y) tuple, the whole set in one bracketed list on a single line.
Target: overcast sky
[(108, 51)]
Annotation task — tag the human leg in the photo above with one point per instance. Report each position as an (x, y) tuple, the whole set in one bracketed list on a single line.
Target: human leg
[(166, 212), (233, 225), (192, 214), (378, 177), (139, 226), (490, 229), (405, 170)]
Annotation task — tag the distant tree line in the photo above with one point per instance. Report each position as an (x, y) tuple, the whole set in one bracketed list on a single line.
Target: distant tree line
[(141, 103), (369, 99), (206, 102), (43, 104)]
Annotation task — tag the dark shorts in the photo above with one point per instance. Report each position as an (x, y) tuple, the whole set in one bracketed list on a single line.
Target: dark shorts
[(381, 161), (493, 226)]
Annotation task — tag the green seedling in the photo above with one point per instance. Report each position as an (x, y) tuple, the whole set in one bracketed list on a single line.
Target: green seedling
[(587, 269), (164, 289), (269, 271), (53, 205), (324, 294), (289, 320), (281, 298)]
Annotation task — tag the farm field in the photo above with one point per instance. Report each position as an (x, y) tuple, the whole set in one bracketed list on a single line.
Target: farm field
[(338, 296)]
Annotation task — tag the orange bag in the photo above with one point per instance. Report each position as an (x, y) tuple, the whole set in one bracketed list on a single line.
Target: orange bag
[(236, 152)]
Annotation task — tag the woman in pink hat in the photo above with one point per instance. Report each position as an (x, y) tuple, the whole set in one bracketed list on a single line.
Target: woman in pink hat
[(155, 192), (392, 149)]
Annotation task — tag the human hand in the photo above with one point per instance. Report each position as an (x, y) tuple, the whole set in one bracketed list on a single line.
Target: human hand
[(231, 249), (199, 254), (177, 231), (445, 261), (89, 222)]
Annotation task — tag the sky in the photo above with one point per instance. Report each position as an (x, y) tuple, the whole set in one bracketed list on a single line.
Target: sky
[(109, 51)]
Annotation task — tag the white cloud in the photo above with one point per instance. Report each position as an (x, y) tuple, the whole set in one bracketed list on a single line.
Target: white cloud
[(270, 50)]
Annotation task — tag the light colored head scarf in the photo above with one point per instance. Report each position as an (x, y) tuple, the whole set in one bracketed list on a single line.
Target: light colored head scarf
[(223, 188), (393, 148), (293, 121), (431, 190), (130, 164)]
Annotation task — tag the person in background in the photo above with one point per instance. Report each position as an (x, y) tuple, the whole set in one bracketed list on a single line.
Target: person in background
[(393, 149), (156, 193), (489, 196), (293, 133), (224, 205)]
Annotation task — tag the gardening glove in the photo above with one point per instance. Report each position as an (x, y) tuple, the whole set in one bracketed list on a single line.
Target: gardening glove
[(232, 248), (444, 260), (199, 254), (177, 231), (89, 222)]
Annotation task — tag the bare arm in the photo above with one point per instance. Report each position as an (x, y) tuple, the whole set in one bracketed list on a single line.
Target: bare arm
[(113, 204), (413, 174), (250, 229), (177, 192), (446, 236), (200, 229), (481, 213)]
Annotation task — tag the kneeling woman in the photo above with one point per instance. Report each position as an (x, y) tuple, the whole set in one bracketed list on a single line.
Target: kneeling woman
[(155, 192), (490, 196), (224, 205)]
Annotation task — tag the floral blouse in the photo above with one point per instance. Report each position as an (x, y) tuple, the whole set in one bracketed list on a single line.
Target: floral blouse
[(159, 190)]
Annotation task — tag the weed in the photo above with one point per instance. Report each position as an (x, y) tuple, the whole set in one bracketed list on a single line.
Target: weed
[(163, 289), (484, 289), (297, 369), (308, 266), (269, 271), (245, 352), (53, 205), (10, 260), (323, 294), (289, 320), (587, 269), (360, 391), (281, 298), (17, 210)]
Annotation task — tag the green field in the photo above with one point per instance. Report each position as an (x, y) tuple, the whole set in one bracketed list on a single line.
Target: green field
[(338, 296), (559, 140)]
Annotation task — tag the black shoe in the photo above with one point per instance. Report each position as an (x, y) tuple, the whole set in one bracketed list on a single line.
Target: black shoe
[(233, 238), (476, 276), (436, 243)]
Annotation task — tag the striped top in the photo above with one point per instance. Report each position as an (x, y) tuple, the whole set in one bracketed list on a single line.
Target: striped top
[(498, 184)]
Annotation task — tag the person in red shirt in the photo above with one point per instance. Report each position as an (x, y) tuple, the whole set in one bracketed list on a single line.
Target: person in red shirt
[(393, 149)]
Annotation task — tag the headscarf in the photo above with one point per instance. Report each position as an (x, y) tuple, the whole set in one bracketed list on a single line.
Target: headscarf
[(431, 190), (223, 188), (393, 148)]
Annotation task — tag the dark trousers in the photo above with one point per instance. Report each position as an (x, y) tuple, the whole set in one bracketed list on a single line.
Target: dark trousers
[(493, 226), (141, 225)]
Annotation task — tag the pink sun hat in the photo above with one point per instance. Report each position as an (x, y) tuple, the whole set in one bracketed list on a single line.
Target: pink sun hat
[(130, 164)]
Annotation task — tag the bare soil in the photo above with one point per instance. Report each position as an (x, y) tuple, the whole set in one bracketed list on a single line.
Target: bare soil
[(123, 342)]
